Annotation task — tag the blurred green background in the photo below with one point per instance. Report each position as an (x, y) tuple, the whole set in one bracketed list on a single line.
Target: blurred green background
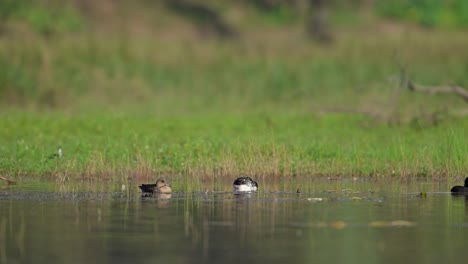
[(189, 56), (192, 87)]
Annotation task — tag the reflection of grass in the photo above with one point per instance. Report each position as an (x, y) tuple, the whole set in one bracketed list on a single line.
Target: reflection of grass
[(260, 145)]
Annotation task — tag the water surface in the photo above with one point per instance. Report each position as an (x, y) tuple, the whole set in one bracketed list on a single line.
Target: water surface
[(342, 221)]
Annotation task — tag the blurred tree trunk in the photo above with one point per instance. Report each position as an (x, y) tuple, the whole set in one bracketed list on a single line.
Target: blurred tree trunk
[(264, 4), (269, 5), (207, 20), (317, 25)]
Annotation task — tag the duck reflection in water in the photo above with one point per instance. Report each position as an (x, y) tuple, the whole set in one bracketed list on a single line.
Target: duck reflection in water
[(460, 190), (160, 189)]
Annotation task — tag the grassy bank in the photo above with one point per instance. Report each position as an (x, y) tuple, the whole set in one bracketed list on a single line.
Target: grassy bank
[(145, 94), (137, 148)]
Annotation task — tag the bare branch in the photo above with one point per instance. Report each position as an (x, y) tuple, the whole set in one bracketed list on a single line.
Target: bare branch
[(391, 116), (457, 90), (448, 89), (7, 180)]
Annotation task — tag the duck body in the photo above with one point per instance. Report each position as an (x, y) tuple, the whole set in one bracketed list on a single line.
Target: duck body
[(245, 184), (460, 189), (159, 187)]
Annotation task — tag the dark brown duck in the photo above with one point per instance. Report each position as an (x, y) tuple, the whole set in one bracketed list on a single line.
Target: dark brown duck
[(159, 187)]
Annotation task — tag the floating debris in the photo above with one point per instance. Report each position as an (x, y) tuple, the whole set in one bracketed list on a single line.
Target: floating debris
[(396, 223), (346, 190), (316, 199), (338, 225), (335, 224)]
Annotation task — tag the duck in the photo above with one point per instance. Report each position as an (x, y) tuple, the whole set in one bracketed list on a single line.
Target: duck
[(460, 189), (245, 184), (159, 187)]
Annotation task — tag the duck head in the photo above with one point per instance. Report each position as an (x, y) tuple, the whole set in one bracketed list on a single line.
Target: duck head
[(245, 184), (162, 186)]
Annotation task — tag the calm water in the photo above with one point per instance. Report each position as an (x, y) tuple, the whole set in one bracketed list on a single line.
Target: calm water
[(328, 222)]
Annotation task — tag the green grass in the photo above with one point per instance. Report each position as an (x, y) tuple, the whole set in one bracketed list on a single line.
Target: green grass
[(277, 70), (130, 101), (428, 13), (141, 147)]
